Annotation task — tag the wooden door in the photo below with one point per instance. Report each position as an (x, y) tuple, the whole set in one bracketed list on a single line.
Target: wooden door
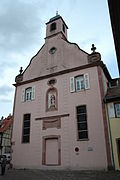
[(51, 151)]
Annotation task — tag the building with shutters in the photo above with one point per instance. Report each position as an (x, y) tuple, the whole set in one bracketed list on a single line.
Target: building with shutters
[(112, 100), (59, 112)]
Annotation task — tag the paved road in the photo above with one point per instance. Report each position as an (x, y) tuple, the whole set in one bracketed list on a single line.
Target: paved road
[(59, 175)]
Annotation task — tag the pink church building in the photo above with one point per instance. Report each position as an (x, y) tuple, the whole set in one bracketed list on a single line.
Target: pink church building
[(59, 112)]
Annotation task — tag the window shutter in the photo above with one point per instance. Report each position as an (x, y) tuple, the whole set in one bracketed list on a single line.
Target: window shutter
[(23, 95), (111, 110), (86, 81), (72, 84), (33, 92)]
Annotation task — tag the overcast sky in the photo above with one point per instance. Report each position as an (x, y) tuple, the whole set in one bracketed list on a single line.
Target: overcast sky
[(23, 28)]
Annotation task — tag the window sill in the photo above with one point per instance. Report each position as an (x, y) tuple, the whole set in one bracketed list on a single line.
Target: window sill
[(51, 109), (27, 101), (80, 90), (115, 118), (25, 143), (87, 139)]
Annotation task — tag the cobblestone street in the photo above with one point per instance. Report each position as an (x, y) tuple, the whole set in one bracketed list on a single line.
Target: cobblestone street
[(59, 175)]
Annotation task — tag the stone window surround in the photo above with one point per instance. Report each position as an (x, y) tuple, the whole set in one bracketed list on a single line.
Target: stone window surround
[(84, 139), (23, 130)]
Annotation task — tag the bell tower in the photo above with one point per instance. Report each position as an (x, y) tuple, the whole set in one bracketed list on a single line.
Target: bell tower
[(55, 26)]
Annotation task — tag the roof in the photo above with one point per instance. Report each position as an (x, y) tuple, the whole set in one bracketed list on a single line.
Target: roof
[(113, 93), (5, 123), (56, 18)]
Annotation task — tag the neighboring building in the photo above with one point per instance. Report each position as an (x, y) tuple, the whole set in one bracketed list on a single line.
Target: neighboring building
[(59, 112), (5, 135), (112, 100), (114, 10)]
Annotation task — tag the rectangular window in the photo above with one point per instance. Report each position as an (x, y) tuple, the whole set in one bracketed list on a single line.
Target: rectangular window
[(80, 83), (7, 149), (111, 110), (28, 94), (82, 122), (26, 128), (117, 110)]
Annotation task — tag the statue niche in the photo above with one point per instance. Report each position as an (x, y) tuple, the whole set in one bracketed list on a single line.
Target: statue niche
[(51, 99)]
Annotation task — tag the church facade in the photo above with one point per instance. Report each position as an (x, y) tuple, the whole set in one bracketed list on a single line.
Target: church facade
[(59, 113)]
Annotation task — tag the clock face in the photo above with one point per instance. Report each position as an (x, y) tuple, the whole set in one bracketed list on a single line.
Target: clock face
[(52, 50)]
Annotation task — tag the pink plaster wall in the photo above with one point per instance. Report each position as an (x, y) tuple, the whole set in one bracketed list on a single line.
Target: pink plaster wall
[(67, 56), (92, 154), (30, 155)]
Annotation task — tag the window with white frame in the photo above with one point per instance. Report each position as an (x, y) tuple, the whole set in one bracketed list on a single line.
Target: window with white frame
[(114, 110), (28, 94), (79, 83), (117, 110)]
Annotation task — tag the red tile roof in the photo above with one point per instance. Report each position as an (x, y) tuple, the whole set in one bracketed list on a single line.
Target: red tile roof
[(5, 123), (113, 94)]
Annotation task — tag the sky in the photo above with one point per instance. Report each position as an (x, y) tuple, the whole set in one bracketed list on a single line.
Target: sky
[(23, 29)]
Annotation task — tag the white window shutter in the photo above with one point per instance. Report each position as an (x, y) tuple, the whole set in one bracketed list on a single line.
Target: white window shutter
[(111, 110), (33, 92), (72, 84), (86, 81), (23, 95)]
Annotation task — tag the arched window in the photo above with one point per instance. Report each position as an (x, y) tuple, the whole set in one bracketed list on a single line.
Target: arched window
[(53, 26), (51, 99), (28, 94)]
